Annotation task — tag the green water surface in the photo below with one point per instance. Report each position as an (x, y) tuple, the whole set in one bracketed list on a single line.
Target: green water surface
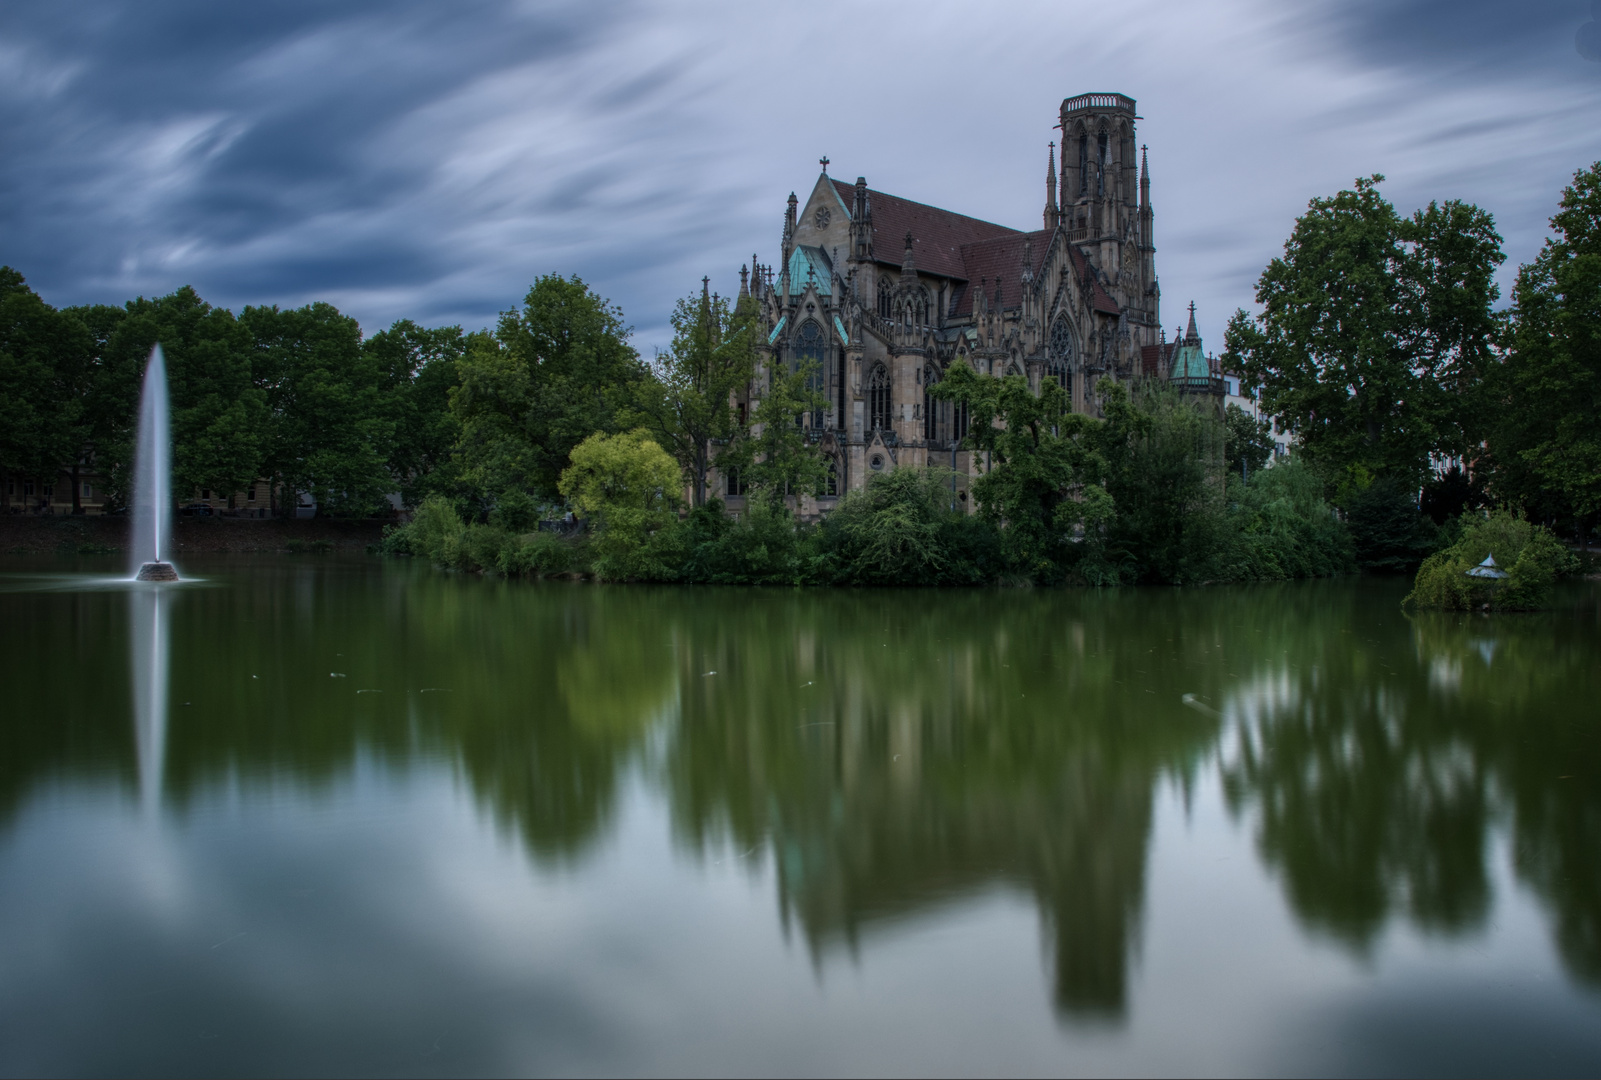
[(323, 816)]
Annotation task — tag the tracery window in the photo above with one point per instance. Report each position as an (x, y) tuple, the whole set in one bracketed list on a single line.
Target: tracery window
[(1060, 352), (878, 399), (808, 357), (883, 298), (932, 406), (1083, 162), (831, 477)]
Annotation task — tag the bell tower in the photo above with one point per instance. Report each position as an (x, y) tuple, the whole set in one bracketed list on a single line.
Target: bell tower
[(1104, 207)]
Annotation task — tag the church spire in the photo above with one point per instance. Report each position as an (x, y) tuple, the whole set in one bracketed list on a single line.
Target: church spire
[(1192, 336), (744, 282), (1052, 215)]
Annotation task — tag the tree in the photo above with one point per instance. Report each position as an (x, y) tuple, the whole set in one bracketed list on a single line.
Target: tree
[(329, 429), (1375, 333), (44, 359), (1161, 458), (775, 455), (1038, 485), (418, 369), (217, 412), (629, 486), (555, 372), (688, 405), (1249, 442), (1546, 447)]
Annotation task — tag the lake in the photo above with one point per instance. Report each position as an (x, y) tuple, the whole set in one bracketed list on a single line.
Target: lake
[(326, 815)]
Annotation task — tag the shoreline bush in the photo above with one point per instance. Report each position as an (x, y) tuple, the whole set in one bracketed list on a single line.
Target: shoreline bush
[(1530, 555)]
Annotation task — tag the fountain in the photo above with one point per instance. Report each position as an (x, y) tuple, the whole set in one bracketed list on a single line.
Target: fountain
[(152, 478)]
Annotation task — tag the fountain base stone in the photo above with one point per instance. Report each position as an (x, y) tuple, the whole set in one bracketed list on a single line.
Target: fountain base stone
[(157, 571)]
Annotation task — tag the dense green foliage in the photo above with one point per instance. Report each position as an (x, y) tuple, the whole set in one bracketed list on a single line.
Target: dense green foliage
[(1184, 522), (1377, 345), (1530, 556), (1545, 447), (1376, 333), (689, 406)]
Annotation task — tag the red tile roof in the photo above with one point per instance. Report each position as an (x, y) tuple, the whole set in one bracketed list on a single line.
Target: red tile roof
[(998, 261), (937, 235), (964, 248), (1155, 360)]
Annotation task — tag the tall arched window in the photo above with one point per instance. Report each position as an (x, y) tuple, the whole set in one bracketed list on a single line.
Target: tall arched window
[(932, 406), (1083, 162), (808, 357), (883, 298), (878, 399), (831, 477), (1102, 160), (839, 390), (1060, 354)]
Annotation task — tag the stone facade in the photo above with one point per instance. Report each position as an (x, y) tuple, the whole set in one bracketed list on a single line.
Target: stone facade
[(885, 293)]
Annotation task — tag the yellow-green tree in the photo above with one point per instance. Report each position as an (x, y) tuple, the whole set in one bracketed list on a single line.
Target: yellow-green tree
[(628, 485)]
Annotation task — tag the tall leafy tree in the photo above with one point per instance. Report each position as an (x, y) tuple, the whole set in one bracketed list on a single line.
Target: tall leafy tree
[(329, 428), (689, 404), (417, 366), (110, 401), (44, 357), (556, 371), (1547, 446), (1375, 333), (1038, 480), (217, 413)]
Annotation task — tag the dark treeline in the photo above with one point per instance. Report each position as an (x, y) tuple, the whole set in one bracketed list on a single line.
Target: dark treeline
[(1414, 401)]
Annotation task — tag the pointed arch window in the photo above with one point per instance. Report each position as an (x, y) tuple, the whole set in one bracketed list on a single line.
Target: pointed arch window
[(1060, 354), (831, 477), (884, 298), (1083, 162), (808, 358), (878, 399), (933, 408)]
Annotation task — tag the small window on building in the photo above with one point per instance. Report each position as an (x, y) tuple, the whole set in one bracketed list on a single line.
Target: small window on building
[(736, 484), (87, 490), (27, 487), (252, 496)]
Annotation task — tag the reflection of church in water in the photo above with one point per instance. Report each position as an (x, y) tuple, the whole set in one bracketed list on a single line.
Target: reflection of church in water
[(883, 294)]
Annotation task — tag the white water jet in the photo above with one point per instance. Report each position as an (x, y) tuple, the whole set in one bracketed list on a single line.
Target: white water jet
[(147, 655), (152, 479)]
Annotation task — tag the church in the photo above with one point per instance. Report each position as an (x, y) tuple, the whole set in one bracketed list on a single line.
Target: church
[(882, 294)]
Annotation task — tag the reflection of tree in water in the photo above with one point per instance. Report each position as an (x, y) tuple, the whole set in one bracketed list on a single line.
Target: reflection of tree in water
[(1379, 752), (898, 750), (894, 750), (537, 694)]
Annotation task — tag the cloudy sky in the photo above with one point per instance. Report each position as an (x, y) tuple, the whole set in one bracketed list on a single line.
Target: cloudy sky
[(425, 160)]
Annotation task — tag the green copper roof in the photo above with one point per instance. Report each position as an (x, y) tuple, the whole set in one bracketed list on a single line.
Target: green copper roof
[(810, 265), (839, 327), (1189, 363)]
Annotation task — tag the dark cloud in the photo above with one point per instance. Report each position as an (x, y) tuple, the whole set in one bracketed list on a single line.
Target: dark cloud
[(1466, 35), (131, 130), (430, 161)]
